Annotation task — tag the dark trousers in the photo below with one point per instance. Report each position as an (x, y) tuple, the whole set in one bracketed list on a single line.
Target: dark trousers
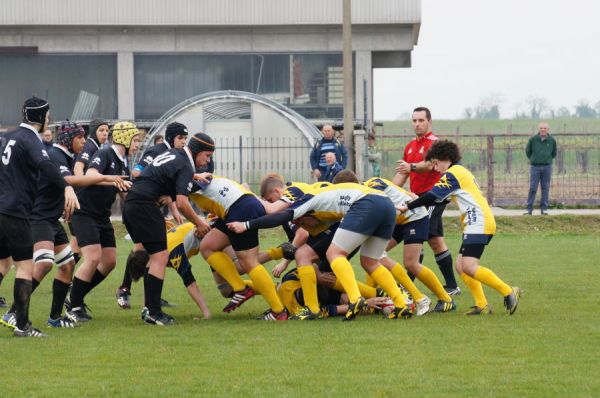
[(539, 175)]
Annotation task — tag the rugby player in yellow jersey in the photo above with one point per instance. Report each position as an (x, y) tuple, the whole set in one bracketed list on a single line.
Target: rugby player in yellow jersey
[(367, 218), (413, 228), (230, 201), (182, 243), (479, 226)]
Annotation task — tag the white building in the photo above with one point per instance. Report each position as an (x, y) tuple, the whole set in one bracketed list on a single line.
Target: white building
[(136, 59)]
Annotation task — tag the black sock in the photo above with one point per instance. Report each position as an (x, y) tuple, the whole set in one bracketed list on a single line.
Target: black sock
[(76, 257), (153, 287), (1, 278), (444, 261), (78, 292), (59, 294), (34, 284), (421, 256), (96, 280), (22, 294), (126, 284)]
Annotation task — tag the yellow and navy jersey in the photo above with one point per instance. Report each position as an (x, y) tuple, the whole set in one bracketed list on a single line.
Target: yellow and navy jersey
[(295, 190), (218, 196), (286, 291), (399, 196), (182, 244), (330, 203), (459, 184)]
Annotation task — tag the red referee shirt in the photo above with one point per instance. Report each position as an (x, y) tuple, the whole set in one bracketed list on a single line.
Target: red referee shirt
[(414, 153)]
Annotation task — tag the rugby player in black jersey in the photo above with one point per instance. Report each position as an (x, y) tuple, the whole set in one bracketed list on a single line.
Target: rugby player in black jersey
[(91, 223), (175, 137), (168, 178), (23, 159)]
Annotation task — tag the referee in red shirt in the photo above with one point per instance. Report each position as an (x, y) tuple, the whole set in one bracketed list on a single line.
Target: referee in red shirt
[(422, 179)]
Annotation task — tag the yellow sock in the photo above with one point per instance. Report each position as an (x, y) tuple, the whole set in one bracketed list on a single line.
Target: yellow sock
[(385, 279), (264, 284), (308, 280), (488, 277), (276, 253), (401, 276), (365, 290), (476, 290), (225, 266), (345, 275), (249, 283), (433, 283), (369, 281)]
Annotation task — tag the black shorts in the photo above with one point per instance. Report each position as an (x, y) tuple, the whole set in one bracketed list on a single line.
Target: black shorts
[(413, 232), (93, 231), (320, 244), (146, 225), (50, 231), (15, 238), (372, 215), (475, 246), (436, 226), (246, 208)]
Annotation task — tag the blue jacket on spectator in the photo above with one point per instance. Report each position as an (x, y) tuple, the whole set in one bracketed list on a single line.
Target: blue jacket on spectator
[(317, 155), (332, 171)]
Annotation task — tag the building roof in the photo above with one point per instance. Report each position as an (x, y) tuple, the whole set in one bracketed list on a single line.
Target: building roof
[(205, 12)]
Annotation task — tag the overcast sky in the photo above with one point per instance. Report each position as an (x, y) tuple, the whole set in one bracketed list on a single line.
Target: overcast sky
[(471, 49)]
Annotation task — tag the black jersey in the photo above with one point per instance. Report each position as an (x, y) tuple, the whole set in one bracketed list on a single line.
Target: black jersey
[(87, 153), (97, 200), (150, 154), (171, 173), (21, 153), (50, 199)]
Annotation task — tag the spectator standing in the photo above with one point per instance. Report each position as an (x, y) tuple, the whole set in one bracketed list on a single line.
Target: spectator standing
[(373, 156), (333, 167), (47, 139), (327, 144), (541, 151), (422, 178)]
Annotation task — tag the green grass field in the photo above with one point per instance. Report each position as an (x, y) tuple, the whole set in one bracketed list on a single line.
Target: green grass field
[(549, 348)]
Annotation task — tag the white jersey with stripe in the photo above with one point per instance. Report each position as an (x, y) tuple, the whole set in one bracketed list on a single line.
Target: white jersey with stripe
[(399, 197), (332, 202), (218, 196), (459, 184)]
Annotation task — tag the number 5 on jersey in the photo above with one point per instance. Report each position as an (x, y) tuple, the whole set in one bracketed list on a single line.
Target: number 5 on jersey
[(7, 152)]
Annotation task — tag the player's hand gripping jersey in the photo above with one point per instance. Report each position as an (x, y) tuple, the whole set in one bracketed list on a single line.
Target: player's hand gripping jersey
[(459, 185), (218, 196), (399, 196)]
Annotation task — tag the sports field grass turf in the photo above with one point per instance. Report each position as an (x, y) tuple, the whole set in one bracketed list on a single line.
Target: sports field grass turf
[(550, 347)]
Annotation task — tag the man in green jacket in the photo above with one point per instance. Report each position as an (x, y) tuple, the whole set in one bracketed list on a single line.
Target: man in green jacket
[(541, 151)]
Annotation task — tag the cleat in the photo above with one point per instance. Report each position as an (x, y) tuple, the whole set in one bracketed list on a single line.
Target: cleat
[(238, 299), (400, 313), (270, 315), (9, 320), (78, 315), (3, 302), (123, 295), (145, 312), (306, 314), (512, 300), (29, 331), (355, 308), (407, 296), (475, 310), (453, 291), (422, 306), (160, 319), (61, 322), (165, 303), (444, 306)]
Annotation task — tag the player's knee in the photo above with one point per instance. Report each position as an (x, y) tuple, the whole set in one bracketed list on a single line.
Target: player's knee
[(43, 258)]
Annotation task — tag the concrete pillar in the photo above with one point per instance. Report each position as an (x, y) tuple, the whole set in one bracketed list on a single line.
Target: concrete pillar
[(125, 86), (363, 73), (360, 154)]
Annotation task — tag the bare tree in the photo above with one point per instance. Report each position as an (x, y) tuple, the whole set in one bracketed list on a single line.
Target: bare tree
[(537, 105), (562, 112)]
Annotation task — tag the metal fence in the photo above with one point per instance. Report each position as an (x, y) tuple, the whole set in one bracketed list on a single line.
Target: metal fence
[(501, 167)]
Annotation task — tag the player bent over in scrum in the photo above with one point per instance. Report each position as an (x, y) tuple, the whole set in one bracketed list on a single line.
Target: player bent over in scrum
[(169, 176), (229, 201), (367, 218), (412, 228), (479, 226)]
